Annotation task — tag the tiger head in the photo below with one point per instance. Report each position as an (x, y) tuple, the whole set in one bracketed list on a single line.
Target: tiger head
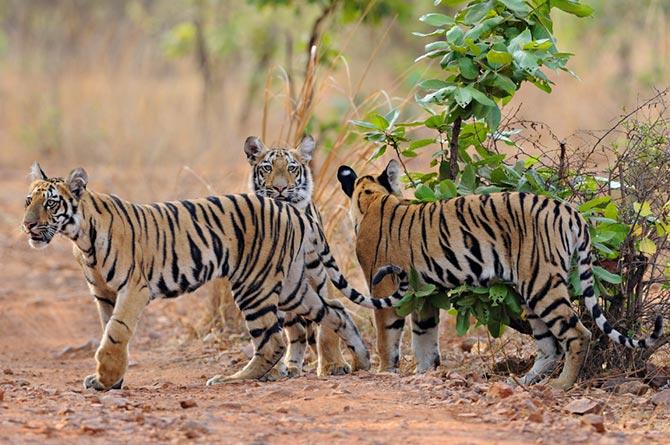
[(366, 189), (281, 173), (51, 205)]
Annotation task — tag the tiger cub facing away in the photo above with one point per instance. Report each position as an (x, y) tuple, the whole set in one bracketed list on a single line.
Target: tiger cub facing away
[(519, 238), (284, 174), (131, 253)]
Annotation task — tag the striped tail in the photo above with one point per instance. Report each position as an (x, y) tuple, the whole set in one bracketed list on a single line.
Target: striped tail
[(341, 283), (584, 267)]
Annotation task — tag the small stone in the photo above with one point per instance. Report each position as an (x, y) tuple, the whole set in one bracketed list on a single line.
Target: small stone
[(662, 398), (93, 427), (500, 390), (635, 387), (595, 421), (209, 338), (536, 416), (583, 406), (231, 405), (186, 404), (111, 401), (193, 429), (8, 371)]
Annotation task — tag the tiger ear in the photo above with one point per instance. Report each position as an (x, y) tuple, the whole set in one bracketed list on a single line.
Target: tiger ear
[(36, 172), (77, 181), (306, 147), (253, 147), (347, 177), (390, 177)]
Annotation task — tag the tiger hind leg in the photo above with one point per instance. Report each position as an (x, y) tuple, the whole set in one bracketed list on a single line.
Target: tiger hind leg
[(425, 336), (265, 327), (549, 350), (297, 344), (331, 315), (330, 359), (554, 308)]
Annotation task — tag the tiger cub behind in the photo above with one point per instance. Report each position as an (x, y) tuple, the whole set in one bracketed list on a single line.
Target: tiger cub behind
[(284, 174)]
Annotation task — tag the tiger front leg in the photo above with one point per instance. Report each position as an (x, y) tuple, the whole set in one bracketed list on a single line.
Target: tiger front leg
[(105, 299), (112, 355), (265, 328)]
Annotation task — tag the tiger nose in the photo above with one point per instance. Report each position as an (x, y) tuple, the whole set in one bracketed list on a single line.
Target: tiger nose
[(279, 188), (28, 225)]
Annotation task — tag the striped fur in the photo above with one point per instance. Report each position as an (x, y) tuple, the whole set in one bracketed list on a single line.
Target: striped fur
[(523, 239), (132, 253), (284, 174)]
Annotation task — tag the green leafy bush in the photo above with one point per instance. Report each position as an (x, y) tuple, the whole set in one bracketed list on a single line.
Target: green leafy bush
[(487, 50)]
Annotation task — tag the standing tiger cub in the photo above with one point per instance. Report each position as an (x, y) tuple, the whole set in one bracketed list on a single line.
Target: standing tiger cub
[(284, 174), (519, 238), (131, 254)]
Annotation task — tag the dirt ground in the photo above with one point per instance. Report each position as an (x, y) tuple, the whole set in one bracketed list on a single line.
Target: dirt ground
[(48, 332)]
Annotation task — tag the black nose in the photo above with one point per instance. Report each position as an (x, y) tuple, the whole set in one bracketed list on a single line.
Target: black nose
[(29, 225)]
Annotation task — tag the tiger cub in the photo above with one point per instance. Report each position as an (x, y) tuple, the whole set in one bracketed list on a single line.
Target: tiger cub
[(519, 238), (284, 174), (133, 253)]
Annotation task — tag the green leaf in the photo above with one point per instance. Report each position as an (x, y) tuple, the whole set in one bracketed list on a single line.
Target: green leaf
[(575, 282), (440, 300), (647, 246), (598, 202), (643, 209), (467, 68), (493, 117), (499, 57), (379, 122), (605, 275), (462, 322), (455, 35), (468, 178), (421, 143), (518, 42), (498, 292), (477, 12), (424, 193), (433, 84), (447, 189), (519, 6), (436, 19), (512, 303), (405, 307), (363, 124), (573, 7), (414, 278), (611, 211), (462, 96), (378, 152), (436, 46), (504, 83), (479, 96)]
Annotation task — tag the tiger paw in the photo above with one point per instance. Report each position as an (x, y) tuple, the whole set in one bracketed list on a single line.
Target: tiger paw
[(293, 371), (276, 373), (334, 369), (92, 382), (560, 384)]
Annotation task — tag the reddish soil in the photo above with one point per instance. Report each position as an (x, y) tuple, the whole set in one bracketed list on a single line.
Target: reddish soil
[(48, 329)]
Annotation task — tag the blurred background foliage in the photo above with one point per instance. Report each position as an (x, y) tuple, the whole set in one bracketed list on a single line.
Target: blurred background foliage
[(160, 80)]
